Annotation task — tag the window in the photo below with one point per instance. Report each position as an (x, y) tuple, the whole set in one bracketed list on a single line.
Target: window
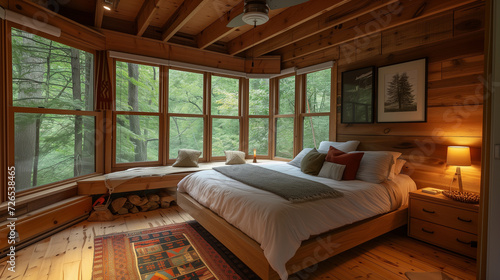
[(316, 118), (137, 113), (258, 122), (285, 118), (186, 114), (225, 118), (52, 104)]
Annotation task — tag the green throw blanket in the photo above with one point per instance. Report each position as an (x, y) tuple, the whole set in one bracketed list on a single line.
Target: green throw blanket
[(294, 189)]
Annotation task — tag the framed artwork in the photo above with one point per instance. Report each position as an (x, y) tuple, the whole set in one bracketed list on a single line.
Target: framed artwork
[(357, 95), (402, 92)]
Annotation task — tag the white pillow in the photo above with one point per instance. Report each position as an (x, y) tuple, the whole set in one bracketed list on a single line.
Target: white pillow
[(298, 159), (235, 157), (399, 165), (345, 147), (395, 156), (375, 166), (332, 170)]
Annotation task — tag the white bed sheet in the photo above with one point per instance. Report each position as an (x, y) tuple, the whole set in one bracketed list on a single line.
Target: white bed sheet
[(280, 226)]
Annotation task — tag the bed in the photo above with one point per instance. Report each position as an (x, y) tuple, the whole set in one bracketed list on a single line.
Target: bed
[(275, 237)]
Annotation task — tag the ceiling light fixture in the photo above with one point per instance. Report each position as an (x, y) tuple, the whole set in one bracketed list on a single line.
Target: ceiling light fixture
[(107, 4), (255, 13)]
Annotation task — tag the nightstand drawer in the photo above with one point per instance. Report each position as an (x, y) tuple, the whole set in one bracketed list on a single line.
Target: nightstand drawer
[(444, 215), (455, 240)]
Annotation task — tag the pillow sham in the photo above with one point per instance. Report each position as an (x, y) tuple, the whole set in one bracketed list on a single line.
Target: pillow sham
[(332, 170), (235, 157), (298, 159), (345, 147), (399, 166), (375, 167), (351, 162), (187, 158), (395, 156), (312, 162)]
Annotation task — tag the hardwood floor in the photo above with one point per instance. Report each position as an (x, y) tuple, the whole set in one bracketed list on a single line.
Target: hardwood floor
[(68, 254)]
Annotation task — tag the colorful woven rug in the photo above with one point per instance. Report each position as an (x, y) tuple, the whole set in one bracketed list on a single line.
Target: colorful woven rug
[(180, 251)]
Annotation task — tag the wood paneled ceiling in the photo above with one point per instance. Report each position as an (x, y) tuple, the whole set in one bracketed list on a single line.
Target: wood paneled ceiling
[(289, 33)]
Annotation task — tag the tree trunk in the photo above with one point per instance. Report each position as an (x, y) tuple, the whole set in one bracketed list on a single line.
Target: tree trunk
[(77, 97), (134, 121), (25, 131)]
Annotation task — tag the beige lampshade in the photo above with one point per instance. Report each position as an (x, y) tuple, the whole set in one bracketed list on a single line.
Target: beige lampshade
[(458, 155)]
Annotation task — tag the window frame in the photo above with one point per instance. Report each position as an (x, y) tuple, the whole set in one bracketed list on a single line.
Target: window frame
[(162, 102), (303, 108), (204, 158), (11, 110), (295, 115), (247, 117), (211, 117)]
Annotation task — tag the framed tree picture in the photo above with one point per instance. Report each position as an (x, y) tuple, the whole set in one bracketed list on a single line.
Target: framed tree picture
[(402, 92), (357, 95)]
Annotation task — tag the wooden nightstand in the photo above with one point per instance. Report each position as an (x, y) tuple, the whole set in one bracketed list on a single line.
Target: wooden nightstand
[(444, 222)]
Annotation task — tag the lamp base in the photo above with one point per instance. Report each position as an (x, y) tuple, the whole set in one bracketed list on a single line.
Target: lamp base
[(466, 197)]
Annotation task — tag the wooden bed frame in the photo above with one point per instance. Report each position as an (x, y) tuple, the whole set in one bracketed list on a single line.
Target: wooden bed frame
[(311, 251)]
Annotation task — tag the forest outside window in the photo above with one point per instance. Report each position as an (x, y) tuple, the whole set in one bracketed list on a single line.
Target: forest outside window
[(316, 118), (285, 118), (137, 113), (186, 114), (52, 104), (225, 108), (258, 122)]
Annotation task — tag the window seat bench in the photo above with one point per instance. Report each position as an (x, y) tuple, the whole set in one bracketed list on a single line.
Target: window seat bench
[(169, 178)]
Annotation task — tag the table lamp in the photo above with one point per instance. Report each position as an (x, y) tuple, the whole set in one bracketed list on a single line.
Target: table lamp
[(458, 156)]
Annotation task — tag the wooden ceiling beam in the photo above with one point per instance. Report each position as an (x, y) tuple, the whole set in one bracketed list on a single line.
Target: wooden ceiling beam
[(218, 29), (379, 20), (99, 13), (326, 21), (146, 15), (284, 21), (181, 16)]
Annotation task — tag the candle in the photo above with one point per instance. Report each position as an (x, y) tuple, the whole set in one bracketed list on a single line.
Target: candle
[(254, 155)]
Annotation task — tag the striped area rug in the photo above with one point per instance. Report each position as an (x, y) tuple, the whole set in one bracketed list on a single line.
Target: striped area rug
[(179, 251)]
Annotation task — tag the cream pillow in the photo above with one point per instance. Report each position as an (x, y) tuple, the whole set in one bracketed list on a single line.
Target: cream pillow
[(375, 166), (345, 147), (235, 157), (399, 166), (332, 170), (187, 158)]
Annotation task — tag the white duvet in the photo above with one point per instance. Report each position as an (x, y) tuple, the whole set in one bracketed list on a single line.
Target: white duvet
[(280, 226)]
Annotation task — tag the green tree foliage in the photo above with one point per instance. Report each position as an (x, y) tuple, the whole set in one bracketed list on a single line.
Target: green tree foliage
[(318, 91), (287, 96), (47, 74), (185, 92), (399, 94)]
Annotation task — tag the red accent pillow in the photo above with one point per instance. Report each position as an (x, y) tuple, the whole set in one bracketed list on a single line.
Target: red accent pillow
[(351, 162)]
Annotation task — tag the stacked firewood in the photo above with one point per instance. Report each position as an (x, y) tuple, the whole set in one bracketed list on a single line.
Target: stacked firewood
[(134, 203)]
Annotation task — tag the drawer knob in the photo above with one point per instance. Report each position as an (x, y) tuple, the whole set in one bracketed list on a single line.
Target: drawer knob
[(464, 220), (428, 231), (428, 211)]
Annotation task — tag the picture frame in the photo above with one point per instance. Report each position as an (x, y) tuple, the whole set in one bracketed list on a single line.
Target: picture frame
[(402, 92), (357, 96)]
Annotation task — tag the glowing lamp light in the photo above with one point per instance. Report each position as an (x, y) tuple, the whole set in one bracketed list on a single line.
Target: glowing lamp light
[(106, 7), (254, 155), (458, 156)]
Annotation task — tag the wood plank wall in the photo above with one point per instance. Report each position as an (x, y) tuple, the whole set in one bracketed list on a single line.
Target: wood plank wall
[(453, 43)]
